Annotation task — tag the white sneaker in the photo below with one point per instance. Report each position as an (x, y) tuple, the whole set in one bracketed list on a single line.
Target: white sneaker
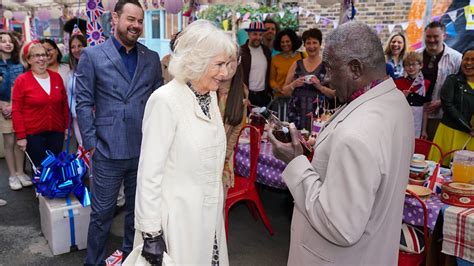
[(14, 183), (3, 202), (25, 180)]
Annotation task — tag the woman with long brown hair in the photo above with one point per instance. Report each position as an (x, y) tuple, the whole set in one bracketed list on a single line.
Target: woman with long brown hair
[(233, 102), (10, 69)]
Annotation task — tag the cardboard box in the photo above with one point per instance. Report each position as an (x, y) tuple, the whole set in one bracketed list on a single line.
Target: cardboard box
[(64, 226)]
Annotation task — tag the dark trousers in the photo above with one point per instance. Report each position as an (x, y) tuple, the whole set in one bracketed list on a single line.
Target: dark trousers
[(259, 98), (431, 127), (108, 175), (38, 144)]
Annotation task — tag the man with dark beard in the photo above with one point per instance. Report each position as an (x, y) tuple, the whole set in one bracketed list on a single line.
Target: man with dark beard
[(114, 82)]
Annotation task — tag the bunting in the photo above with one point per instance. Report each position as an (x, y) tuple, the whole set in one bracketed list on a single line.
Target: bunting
[(95, 35)]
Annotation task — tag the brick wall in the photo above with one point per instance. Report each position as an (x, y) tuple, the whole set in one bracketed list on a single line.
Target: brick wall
[(372, 12)]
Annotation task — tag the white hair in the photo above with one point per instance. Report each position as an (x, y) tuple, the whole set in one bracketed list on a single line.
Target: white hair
[(195, 47)]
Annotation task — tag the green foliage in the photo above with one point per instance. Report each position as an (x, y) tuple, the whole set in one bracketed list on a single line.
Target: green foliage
[(218, 13)]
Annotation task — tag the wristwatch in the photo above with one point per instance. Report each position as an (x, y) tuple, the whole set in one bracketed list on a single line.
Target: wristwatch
[(151, 235)]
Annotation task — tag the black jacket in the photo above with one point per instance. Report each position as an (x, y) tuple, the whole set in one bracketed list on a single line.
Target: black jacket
[(457, 101), (246, 61)]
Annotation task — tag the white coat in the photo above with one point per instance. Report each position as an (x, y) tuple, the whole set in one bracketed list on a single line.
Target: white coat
[(179, 182), (349, 199)]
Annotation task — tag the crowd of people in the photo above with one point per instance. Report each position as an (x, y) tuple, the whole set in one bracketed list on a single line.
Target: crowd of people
[(165, 130)]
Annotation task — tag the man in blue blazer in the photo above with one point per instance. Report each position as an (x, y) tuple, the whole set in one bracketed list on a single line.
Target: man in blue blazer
[(114, 81)]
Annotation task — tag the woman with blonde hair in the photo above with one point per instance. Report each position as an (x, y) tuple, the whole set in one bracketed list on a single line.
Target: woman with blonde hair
[(39, 105), (395, 50), (180, 196)]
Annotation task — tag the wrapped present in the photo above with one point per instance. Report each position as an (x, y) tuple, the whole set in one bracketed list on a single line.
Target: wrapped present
[(64, 223), (115, 259), (60, 176)]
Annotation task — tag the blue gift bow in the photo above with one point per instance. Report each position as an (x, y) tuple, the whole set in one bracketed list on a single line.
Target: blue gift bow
[(61, 176)]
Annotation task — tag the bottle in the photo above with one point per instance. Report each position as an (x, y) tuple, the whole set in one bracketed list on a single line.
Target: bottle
[(257, 120), (280, 130)]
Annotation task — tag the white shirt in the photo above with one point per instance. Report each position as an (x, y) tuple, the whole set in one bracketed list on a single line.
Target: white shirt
[(258, 69), (45, 84)]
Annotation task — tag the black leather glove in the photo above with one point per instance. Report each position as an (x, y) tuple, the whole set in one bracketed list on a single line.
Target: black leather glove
[(153, 249)]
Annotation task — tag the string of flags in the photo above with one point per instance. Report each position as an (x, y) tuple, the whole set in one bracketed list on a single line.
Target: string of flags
[(325, 21)]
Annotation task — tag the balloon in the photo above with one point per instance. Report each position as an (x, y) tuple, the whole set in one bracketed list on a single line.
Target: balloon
[(43, 14), (19, 16), (8, 14), (173, 6), (55, 13)]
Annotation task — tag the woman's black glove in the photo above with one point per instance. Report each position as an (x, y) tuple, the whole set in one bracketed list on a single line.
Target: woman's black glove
[(153, 249)]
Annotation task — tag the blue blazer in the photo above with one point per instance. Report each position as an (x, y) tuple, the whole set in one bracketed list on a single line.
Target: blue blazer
[(110, 105)]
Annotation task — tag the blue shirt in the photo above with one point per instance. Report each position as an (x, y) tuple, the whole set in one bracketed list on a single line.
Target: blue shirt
[(9, 71), (129, 59), (397, 68)]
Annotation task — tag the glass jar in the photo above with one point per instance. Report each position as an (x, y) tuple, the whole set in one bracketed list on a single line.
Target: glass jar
[(463, 167)]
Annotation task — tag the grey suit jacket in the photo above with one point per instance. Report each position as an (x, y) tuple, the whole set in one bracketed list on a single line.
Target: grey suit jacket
[(110, 105), (349, 199)]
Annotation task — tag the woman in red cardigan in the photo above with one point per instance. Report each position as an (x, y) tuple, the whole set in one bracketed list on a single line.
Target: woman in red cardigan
[(39, 106)]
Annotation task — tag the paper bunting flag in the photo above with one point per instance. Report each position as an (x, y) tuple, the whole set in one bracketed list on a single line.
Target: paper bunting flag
[(300, 10), (325, 22), (94, 34), (317, 18), (404, 25), (450, 30), (391, 27), (419, 23), (308, 13), (281, 13), (453, 15), (264, 16), (225, 24), (246, 16), (237, 15), (379, 28), (95, 9), (335, 23)]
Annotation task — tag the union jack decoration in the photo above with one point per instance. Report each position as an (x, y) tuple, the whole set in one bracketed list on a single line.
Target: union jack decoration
[(84, 155), (95, 9), (95, 34)]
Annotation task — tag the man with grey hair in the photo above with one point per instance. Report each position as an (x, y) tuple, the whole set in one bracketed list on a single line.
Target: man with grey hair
[(349, 198)]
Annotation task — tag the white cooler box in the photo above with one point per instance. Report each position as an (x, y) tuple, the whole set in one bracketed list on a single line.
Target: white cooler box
[(64, 227)]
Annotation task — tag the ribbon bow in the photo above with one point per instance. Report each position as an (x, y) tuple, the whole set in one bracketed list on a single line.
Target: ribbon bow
[(62, 175)]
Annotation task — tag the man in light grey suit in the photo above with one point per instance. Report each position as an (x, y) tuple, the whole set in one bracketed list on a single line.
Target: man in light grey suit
[(114, 81), (349, 198)]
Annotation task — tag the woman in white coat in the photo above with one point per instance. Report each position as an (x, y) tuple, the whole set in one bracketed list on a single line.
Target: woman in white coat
[(179, 199)]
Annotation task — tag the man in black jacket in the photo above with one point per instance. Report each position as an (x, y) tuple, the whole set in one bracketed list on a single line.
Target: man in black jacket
[(256, 65)]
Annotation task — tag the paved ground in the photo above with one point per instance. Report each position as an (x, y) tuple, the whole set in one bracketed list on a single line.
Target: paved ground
[(22, 243)]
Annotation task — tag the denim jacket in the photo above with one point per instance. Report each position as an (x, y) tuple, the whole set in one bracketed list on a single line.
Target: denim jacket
[(9, 71)]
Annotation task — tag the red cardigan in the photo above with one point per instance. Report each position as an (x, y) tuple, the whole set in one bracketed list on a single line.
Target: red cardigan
[(33, 110)]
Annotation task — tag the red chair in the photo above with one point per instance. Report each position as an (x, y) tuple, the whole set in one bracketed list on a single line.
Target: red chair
[(411, 259), (423, 146), (244, 187)]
